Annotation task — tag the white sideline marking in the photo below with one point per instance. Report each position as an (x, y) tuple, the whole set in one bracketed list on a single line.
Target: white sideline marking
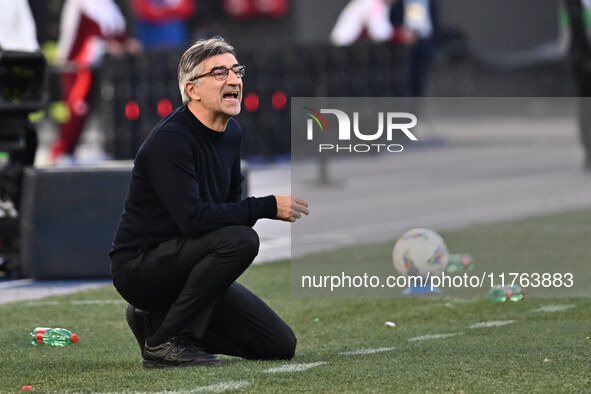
[(367, 351), (80, 302), (275, 243), (98, 302), (494, 323), (434, 336), (15, 283), (214, 388), (221, 387), (294, 367), (553, 308)]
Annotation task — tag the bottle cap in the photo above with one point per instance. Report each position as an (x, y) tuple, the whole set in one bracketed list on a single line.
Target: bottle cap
[(74, 338)]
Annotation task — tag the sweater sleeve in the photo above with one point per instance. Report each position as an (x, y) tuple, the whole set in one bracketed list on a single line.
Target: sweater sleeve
[(172, 172)]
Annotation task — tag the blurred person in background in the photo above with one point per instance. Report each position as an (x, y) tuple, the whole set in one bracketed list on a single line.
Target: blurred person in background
[(406, 22), (18, 33), (416, 22), (575, 22), (185, 235), (88, 30), (363, 18), (163, 23), (17, 26)]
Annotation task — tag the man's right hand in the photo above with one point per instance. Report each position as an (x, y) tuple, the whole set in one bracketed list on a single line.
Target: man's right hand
[(290, 208)]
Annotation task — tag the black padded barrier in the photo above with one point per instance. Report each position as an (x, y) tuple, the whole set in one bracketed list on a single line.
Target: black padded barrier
[(68, 220)]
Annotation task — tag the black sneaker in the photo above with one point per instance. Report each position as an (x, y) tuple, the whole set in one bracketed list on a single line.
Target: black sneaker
[(174, 353), (136, 319)]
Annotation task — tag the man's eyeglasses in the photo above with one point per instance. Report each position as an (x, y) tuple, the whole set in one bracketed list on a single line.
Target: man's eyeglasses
[(221, 73)]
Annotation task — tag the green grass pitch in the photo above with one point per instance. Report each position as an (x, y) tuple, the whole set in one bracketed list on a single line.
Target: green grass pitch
[(439, 344)]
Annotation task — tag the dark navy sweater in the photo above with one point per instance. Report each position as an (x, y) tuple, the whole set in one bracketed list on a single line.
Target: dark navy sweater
[(186, 181)]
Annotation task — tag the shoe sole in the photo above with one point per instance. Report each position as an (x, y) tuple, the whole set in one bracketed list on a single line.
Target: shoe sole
[(148, 364)]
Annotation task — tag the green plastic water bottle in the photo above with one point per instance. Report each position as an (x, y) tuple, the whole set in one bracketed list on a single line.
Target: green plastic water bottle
[(459, 263), (53, 336), (507, 293)]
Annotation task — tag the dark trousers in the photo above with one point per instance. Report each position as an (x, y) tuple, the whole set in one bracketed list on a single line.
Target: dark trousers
[(418, 64), (580, 58), (190, 285), (583, 79), (585, 126)]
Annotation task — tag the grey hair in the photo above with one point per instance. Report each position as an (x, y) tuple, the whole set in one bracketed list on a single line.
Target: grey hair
[(191, 63)]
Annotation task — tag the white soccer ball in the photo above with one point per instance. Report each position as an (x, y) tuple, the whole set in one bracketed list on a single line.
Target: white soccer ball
[(420, 251)]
